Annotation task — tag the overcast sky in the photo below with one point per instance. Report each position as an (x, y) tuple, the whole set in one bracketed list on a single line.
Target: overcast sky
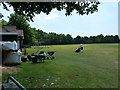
[(105, 21)]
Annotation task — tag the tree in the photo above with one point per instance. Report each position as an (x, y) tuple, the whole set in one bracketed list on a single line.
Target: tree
[(69, 39), (62, 39), (93, 39), (77, 39), (20, 23), (29, 9), (116, 39), (111, 39), (100, 39), (41, 36), (3, 22), (52, 38)]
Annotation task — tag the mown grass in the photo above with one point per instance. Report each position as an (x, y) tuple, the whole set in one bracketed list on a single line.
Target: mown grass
[(95, 67)]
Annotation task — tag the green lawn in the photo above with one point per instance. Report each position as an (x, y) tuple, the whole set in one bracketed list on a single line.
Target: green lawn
[(95, 67)]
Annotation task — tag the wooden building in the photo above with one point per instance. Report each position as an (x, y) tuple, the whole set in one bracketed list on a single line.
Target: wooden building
[(10, 33)]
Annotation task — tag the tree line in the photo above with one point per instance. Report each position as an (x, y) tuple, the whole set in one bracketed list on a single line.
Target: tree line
[(53, 38), (33, 36)]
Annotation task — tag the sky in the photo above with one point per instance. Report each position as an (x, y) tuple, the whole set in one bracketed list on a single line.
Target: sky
[(105, 21)]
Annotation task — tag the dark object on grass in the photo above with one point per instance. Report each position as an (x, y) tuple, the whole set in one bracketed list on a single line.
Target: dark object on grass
[(40, 57), (41, 52), (81, 48), (50, 55), (24, 59), (35, 57), (78, 50), (29, 58), (12, 83)]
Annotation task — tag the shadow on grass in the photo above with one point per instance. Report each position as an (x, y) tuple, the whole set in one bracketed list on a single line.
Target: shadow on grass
[(38, 62)]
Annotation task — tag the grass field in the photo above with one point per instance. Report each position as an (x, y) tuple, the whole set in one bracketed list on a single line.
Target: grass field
[(95, 67)]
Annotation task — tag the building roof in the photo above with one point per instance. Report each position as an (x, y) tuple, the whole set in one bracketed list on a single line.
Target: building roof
[(6, 28), (11, 30)]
